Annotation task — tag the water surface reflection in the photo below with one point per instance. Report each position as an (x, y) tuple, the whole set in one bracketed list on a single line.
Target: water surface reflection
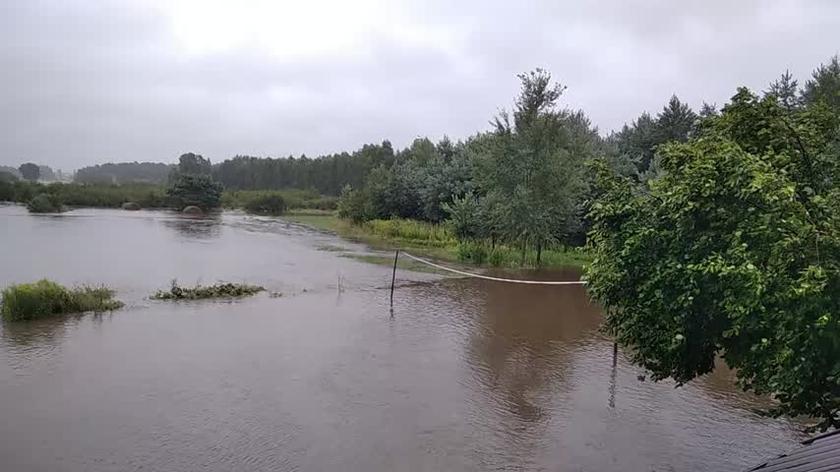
[(465, 375)]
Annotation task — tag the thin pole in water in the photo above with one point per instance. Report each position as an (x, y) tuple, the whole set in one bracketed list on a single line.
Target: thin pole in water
[(394, 275), (612, 374)]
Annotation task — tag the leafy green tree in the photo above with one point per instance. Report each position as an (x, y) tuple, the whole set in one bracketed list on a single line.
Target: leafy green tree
[(638, 142), (444, 179), (191, 163), (707, 110), (531, 167), (676, 121), (732, 252), (195, 189), (191, 184), (353, 205), (786, 91), (824, 85), (30, 171), (465, 217)]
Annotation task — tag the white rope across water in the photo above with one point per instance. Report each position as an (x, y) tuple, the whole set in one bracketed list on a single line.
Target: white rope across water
[(496, 279)]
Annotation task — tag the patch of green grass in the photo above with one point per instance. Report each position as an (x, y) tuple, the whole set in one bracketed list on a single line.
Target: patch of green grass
[(331, 248), (320, 220), (46, 298), (411, 232), (199, 292)]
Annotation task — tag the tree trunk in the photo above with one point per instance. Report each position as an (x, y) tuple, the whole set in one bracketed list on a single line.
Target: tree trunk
[(539, 252)]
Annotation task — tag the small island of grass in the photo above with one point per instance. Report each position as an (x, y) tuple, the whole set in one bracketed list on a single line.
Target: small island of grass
[(46, 298), (199, 292)]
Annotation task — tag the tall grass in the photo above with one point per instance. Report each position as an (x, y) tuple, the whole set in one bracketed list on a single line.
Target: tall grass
[(413, 232), (506, 256), (46, 298)]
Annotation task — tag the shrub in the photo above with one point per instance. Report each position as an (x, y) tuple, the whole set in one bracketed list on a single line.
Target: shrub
[(465, 218), (353, 205), (44, 203), (267, 204), (45, 298)]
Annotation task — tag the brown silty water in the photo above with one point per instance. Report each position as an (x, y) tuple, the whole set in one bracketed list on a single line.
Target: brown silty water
[(465, 375)]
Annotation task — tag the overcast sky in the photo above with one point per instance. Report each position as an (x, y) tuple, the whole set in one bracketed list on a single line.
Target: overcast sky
[(90, 81)]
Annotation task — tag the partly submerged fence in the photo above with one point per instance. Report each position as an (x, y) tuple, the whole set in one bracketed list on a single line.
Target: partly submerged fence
[(474, 275)]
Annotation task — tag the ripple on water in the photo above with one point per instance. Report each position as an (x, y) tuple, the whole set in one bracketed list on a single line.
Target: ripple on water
[(464, 375)]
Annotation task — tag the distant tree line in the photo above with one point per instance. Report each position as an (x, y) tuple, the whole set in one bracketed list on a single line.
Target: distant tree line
[(124, 172), (327, 174)]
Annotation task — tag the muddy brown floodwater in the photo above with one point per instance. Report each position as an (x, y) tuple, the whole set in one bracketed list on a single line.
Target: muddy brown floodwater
[(466, 374)]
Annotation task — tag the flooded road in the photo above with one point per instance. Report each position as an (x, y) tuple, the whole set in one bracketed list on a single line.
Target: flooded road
[(466, 374)]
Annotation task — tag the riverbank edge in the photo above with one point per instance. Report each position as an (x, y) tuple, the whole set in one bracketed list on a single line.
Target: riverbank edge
[(329, 222)]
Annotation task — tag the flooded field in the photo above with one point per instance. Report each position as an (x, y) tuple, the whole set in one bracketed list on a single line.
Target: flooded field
[(462, 375)]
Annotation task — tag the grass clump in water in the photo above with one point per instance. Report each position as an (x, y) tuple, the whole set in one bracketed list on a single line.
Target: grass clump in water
[(46, 298), (199, 292)]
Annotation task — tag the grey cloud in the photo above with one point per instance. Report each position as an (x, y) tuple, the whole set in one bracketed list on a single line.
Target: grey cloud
[(90, 81)]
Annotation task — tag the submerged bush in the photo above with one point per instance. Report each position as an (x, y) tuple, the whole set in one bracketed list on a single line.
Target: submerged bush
[(267, 204), (44, 203), (45, 298), (222, 290)]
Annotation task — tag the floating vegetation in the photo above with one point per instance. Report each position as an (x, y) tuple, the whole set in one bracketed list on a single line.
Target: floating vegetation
[(46, 298), (199, 292)]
